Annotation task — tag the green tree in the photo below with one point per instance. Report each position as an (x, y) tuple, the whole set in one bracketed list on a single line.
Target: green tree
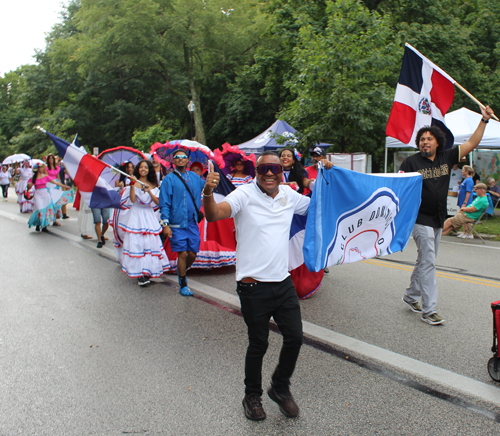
[(183, 42), (344, 80)]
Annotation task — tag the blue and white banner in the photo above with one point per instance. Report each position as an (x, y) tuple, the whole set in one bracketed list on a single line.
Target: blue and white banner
[(355, 216)]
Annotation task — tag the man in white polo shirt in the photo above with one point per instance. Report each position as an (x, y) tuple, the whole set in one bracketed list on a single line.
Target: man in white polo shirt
[(263, 213)]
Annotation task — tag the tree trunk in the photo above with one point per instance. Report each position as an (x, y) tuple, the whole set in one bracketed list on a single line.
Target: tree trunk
[(199, 133)]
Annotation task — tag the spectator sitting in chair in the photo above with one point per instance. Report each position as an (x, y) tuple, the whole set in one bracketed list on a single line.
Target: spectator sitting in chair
[(468, 214), (494, 190)]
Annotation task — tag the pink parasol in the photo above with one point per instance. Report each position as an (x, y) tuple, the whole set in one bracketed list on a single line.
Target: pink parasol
[(196, 152), (231, 154)]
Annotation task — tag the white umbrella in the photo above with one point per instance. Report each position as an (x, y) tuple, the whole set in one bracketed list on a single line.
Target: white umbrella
[(37, 161), (20, 157)]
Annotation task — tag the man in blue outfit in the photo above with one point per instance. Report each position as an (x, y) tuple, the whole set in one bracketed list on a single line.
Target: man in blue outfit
[(179, 216)]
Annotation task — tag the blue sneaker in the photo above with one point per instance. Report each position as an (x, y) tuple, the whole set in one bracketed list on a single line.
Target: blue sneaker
[(186, 291)]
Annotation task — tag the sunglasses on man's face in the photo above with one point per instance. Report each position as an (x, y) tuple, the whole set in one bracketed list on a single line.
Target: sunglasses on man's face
[(180, 156), (263, 169)]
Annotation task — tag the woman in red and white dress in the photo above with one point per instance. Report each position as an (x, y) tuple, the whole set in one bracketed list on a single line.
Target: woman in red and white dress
[(137, 242), (25, 174), (238, 176)]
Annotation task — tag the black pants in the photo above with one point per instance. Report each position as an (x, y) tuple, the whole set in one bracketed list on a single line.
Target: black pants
[(259, 302), (5, 190)]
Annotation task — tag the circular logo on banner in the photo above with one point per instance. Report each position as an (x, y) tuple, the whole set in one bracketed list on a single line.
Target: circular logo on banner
[(365, 231), (424, 106)]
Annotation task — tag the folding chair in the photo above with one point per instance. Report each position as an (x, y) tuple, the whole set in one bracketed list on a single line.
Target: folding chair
[(490, 210), (470, 229)]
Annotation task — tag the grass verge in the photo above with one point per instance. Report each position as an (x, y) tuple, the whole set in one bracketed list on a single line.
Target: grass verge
[(490, 226)]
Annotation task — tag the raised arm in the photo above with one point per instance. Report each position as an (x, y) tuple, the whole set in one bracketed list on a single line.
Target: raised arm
[(214, 211), (476, 137), (56, 182)]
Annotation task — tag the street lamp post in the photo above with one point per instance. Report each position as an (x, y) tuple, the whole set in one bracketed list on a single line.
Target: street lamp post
[(191, 108)]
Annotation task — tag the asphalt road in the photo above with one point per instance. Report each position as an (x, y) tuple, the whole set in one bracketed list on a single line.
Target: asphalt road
[(85, 351)]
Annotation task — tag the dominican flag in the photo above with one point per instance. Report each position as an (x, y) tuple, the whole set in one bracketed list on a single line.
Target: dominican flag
[(423, 96), (85, 170), (306, 283), (355, 216)]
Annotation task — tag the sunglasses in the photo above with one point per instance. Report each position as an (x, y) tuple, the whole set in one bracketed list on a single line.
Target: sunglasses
[(180, 156), (263, 169)]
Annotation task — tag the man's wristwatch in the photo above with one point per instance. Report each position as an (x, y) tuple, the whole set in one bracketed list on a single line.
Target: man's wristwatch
[(164, 223), (485, 121)]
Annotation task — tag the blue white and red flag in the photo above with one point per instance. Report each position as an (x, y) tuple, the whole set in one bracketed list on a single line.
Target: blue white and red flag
[(423, 96), (306, 282), (355, 216), (85, 170)]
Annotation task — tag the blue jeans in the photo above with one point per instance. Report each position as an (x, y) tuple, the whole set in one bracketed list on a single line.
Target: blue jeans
[(97, 213), (259, 302)]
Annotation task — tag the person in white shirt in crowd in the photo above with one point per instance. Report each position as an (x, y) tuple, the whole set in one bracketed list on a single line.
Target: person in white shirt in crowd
[(5, 177), (263, 212), (456, 178)]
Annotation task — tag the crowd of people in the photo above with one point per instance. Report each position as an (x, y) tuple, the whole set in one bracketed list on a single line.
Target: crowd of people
[(156, 206)]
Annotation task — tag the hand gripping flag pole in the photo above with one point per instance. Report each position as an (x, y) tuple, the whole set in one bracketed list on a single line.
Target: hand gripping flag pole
[(424, 94), (474, 99)]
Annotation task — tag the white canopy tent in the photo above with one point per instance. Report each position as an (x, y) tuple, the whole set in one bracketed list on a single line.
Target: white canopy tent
[(462, 123)]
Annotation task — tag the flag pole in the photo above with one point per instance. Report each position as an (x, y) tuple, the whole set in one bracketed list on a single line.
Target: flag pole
[(120, 171), (105, 163), (474, 99)]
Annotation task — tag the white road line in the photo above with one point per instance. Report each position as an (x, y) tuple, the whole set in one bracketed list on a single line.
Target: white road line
[(440, 376), (469, 245), (13, 217)]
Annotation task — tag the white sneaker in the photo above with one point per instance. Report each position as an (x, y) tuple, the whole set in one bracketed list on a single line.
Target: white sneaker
[(469, 237), (461, 235)]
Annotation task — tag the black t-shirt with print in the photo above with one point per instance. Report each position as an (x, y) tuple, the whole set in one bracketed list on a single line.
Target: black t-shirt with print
[(436, 175)]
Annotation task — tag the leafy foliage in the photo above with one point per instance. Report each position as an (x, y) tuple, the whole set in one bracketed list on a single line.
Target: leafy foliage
[(341, 92), (123, 73)]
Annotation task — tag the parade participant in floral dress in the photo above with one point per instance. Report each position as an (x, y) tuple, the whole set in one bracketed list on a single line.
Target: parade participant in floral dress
[(44, 213), (60, 199)]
